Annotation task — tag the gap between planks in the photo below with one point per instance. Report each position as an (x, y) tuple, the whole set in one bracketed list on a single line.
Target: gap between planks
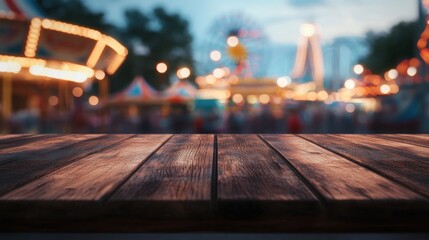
[(370, 168)]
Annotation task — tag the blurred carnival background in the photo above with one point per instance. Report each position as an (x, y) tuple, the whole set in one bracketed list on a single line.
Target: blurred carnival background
[(187, 66)]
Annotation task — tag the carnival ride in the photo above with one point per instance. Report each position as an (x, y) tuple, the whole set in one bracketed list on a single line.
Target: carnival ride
[(49, 52)]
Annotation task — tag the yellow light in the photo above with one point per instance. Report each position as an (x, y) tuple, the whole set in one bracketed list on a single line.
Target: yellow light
[(288, 94), (264, 99), (233, 41), (394, 88), (211, 79), (10, 67), (226, 71), (183, 73), (93, 100), (412, 71), (350, 108), (308, 30), (384, 89), (100, 75), (218, 73), (322, 95), (358, 69), (33, 37), (283, 81), (392, 74), (161, 67), (215, 55), (234, 79), (237, 98), (77, 92), (53, 100), (350, 84), (252, 99), (96, 53), (115, 64), (312, 96), (227, 94), (74, 76)]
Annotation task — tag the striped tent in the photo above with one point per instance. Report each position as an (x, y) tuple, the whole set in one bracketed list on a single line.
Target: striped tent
[(138, 90), (180, 91)]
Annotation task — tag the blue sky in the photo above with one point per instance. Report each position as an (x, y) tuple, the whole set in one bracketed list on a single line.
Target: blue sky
[(280, 18)]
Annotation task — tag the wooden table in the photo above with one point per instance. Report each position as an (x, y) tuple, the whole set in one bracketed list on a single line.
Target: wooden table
[(238, 183)]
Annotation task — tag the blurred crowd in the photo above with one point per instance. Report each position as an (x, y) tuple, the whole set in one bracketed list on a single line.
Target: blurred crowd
[(293, 118)]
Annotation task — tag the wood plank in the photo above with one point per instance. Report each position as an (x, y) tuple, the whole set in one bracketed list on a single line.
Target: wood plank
[(175, 180), (7, 137), (345, 185), (254, 179), (40, 147), (92, 177), (180, 170), (405, 165), (414, 139), (24, 139), (32, 165)]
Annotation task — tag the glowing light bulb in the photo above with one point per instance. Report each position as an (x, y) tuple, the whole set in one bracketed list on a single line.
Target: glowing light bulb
[(350, 84), (233, 41), (308, 30), (161, 67), (215, 55)]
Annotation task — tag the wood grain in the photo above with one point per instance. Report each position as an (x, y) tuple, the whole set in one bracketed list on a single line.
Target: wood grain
[(233, 183), (36, 148), (20, 140), (250, 171), (175, 181), (405, 164), (345, 185), (93, 176), (32, 165), (414, 139), (180, 170)]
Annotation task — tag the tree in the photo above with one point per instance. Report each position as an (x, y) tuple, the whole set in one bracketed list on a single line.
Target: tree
[(166, 38), (386, 50)]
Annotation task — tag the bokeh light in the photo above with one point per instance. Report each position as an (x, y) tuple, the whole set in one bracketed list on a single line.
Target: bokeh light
[(161, 67)]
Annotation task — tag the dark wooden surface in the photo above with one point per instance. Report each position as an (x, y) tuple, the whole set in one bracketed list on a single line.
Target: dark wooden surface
[(192, 183)]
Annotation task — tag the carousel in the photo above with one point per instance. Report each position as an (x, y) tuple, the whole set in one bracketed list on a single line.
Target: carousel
[(46, 63)]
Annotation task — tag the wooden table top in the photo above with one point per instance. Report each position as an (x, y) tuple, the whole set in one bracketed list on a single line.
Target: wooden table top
[(238, 183)]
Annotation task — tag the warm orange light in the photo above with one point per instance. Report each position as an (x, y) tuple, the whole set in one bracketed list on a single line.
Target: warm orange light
[(77, 92), (283, 81), (234, 79), (218, 73), (93, 100), (211, 79), (322, 95), (100, 75), (350, 84), (53, 100), (385, 89), (412, 71), (392, 74), (237, 98), (183, 73), (161, 67), (264, 99)]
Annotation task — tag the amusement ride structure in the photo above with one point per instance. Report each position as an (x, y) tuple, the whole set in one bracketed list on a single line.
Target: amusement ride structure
[(52, 57)]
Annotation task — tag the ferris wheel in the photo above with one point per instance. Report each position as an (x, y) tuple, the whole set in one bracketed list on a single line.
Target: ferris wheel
[(238, 43)]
